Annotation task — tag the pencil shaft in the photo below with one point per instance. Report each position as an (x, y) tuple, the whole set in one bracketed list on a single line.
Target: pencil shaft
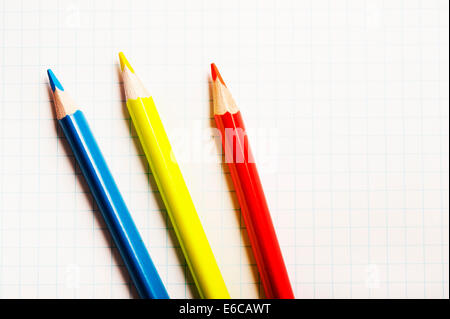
[(177, 199), (254, 206), (112, 206)]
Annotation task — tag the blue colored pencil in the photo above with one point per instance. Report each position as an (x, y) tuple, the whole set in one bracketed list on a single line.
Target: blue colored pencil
[(106, 193)]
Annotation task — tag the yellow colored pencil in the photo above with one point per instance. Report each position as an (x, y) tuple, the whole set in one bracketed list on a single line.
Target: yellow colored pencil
[(172, 187)]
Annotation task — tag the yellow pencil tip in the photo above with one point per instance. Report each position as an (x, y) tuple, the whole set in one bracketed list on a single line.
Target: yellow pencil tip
[(124, 62)]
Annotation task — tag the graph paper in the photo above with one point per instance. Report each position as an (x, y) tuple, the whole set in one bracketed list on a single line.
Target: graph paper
[(346, 107)]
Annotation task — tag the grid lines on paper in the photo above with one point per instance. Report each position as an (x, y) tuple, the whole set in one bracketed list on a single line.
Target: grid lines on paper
[(345, 103)]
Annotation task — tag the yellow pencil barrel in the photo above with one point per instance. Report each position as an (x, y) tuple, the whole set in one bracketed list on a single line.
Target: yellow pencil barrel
[(177, 199)]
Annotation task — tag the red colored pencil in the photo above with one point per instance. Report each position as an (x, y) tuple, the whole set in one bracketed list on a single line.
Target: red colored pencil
[(249, 192)]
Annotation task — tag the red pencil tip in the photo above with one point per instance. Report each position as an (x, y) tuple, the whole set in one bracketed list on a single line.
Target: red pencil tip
[(215, 73)]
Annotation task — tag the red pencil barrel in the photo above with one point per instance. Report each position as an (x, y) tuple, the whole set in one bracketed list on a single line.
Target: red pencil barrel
[(255, 210)]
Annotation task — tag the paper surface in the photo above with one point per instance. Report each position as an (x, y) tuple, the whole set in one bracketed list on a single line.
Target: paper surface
[(346, 106)]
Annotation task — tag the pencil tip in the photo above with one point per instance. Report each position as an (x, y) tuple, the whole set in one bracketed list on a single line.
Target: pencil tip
[(54, 82), (216, 74), (124, 62)]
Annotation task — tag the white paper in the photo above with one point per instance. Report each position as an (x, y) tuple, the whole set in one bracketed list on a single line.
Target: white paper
[(346, 106)]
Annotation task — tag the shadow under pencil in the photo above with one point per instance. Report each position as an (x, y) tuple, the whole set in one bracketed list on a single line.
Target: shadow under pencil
[(117, 259)]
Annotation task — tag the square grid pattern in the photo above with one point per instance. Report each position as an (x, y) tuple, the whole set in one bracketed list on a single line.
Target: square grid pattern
[(346, 104)]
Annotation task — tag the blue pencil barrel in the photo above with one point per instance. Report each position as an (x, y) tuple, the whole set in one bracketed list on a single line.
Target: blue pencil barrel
[(112, 206)]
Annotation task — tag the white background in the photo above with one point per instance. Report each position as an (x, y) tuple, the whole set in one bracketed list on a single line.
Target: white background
[(346, 103)]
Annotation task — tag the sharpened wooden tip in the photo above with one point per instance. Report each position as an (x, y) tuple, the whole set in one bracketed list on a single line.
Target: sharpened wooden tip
[(124, 62), (54, 82), (222, 99), (64, 104), (216, 74)]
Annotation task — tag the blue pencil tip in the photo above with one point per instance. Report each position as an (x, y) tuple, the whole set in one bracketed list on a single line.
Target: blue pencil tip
[(54, 82)]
